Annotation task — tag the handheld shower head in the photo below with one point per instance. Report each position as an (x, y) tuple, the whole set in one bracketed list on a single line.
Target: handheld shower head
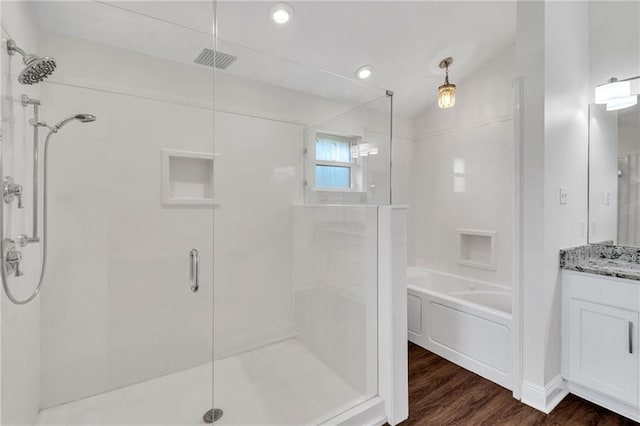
[(83, 118), (37, 68)]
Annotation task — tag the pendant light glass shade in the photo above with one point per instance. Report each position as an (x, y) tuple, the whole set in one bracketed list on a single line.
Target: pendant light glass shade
[(447, 95), (446, 92)]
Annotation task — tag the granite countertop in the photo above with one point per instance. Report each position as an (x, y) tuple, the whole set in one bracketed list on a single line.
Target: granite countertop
[(602, 259)]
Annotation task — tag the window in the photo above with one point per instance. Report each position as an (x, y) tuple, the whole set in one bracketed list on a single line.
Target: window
[(334, 164)]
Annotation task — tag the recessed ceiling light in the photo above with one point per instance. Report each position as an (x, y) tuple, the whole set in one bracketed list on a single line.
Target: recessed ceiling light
[(364, 72), (281, 13)]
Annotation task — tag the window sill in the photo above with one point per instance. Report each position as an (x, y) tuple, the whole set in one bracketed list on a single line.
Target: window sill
[(338, 190)]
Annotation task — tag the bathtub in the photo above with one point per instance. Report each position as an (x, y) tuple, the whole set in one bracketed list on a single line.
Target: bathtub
[(465, 321)]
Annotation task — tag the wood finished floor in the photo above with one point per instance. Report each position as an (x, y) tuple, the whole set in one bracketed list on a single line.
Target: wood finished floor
[(442, 393)]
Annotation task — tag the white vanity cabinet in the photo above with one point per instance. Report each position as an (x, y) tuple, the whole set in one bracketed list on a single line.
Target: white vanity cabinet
[(600, 318)]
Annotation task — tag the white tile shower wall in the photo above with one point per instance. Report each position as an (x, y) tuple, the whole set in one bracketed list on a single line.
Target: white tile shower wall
[(116, 307), (335, 276), (404, 149), (463, 173), (258, 181), (20, 371), (259, 178)]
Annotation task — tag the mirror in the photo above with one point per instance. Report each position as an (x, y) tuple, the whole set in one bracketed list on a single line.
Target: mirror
[(614, 175)]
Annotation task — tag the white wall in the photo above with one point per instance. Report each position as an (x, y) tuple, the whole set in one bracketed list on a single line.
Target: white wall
[(566, 145), (614, 41), (20, 324), (462, 173), (554, 147)]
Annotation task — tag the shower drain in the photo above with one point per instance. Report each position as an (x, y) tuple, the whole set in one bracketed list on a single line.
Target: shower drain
[(212, 415)]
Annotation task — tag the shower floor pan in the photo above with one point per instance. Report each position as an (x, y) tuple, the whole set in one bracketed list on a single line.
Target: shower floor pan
[(279, 384)]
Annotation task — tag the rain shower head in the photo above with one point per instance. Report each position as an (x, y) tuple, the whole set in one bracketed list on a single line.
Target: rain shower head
[(83, 118), (37, 68)]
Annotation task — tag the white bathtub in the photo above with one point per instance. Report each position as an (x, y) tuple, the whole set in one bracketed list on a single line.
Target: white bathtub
[(465, 321)]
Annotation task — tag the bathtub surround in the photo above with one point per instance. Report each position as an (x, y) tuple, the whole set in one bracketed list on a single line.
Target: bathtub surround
[(462, 172)]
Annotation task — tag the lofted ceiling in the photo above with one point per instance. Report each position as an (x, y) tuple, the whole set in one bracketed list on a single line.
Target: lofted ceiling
[(404, 41)]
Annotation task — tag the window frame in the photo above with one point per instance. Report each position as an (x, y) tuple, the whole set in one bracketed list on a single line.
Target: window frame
[(351, 165)]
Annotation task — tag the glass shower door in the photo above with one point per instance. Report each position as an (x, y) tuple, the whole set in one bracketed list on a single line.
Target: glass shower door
[(118, 335), (295, 274)]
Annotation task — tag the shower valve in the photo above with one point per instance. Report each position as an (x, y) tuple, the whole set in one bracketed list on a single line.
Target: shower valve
[(12, 259), (11, 191)]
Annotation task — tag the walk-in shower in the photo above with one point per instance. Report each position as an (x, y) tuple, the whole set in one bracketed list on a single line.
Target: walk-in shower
[(12, 256), (284, 329)]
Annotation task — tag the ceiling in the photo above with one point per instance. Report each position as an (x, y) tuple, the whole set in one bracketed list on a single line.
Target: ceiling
[(404, 41)]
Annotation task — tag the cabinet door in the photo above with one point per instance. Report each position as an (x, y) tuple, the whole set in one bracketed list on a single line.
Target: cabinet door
[(603, 349)]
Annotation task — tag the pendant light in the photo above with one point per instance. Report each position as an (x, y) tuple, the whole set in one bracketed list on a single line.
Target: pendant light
[(446, 92)]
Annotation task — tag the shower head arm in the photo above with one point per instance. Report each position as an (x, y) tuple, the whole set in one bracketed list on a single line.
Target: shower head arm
[(12, 48)]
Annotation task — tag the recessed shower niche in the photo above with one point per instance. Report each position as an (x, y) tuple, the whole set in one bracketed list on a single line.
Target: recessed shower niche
[(477, 248), (187, 178)]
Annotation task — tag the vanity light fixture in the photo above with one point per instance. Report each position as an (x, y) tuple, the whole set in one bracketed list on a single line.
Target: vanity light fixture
[(613, 89), (364, 72), (446, 92), (281, 13), (622, 103), (616, 94)]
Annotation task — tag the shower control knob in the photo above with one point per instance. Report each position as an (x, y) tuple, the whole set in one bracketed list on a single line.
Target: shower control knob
[(11, 191), (12, 259)]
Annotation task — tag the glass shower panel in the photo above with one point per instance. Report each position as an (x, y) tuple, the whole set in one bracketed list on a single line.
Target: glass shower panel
[(367, 129), (295, 277), (118, 334)]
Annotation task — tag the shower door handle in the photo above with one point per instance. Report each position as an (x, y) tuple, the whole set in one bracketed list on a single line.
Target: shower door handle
[(194, 274)]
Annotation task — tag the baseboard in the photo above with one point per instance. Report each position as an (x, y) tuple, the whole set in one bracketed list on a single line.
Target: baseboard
[(622, 408), (544, 398)]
